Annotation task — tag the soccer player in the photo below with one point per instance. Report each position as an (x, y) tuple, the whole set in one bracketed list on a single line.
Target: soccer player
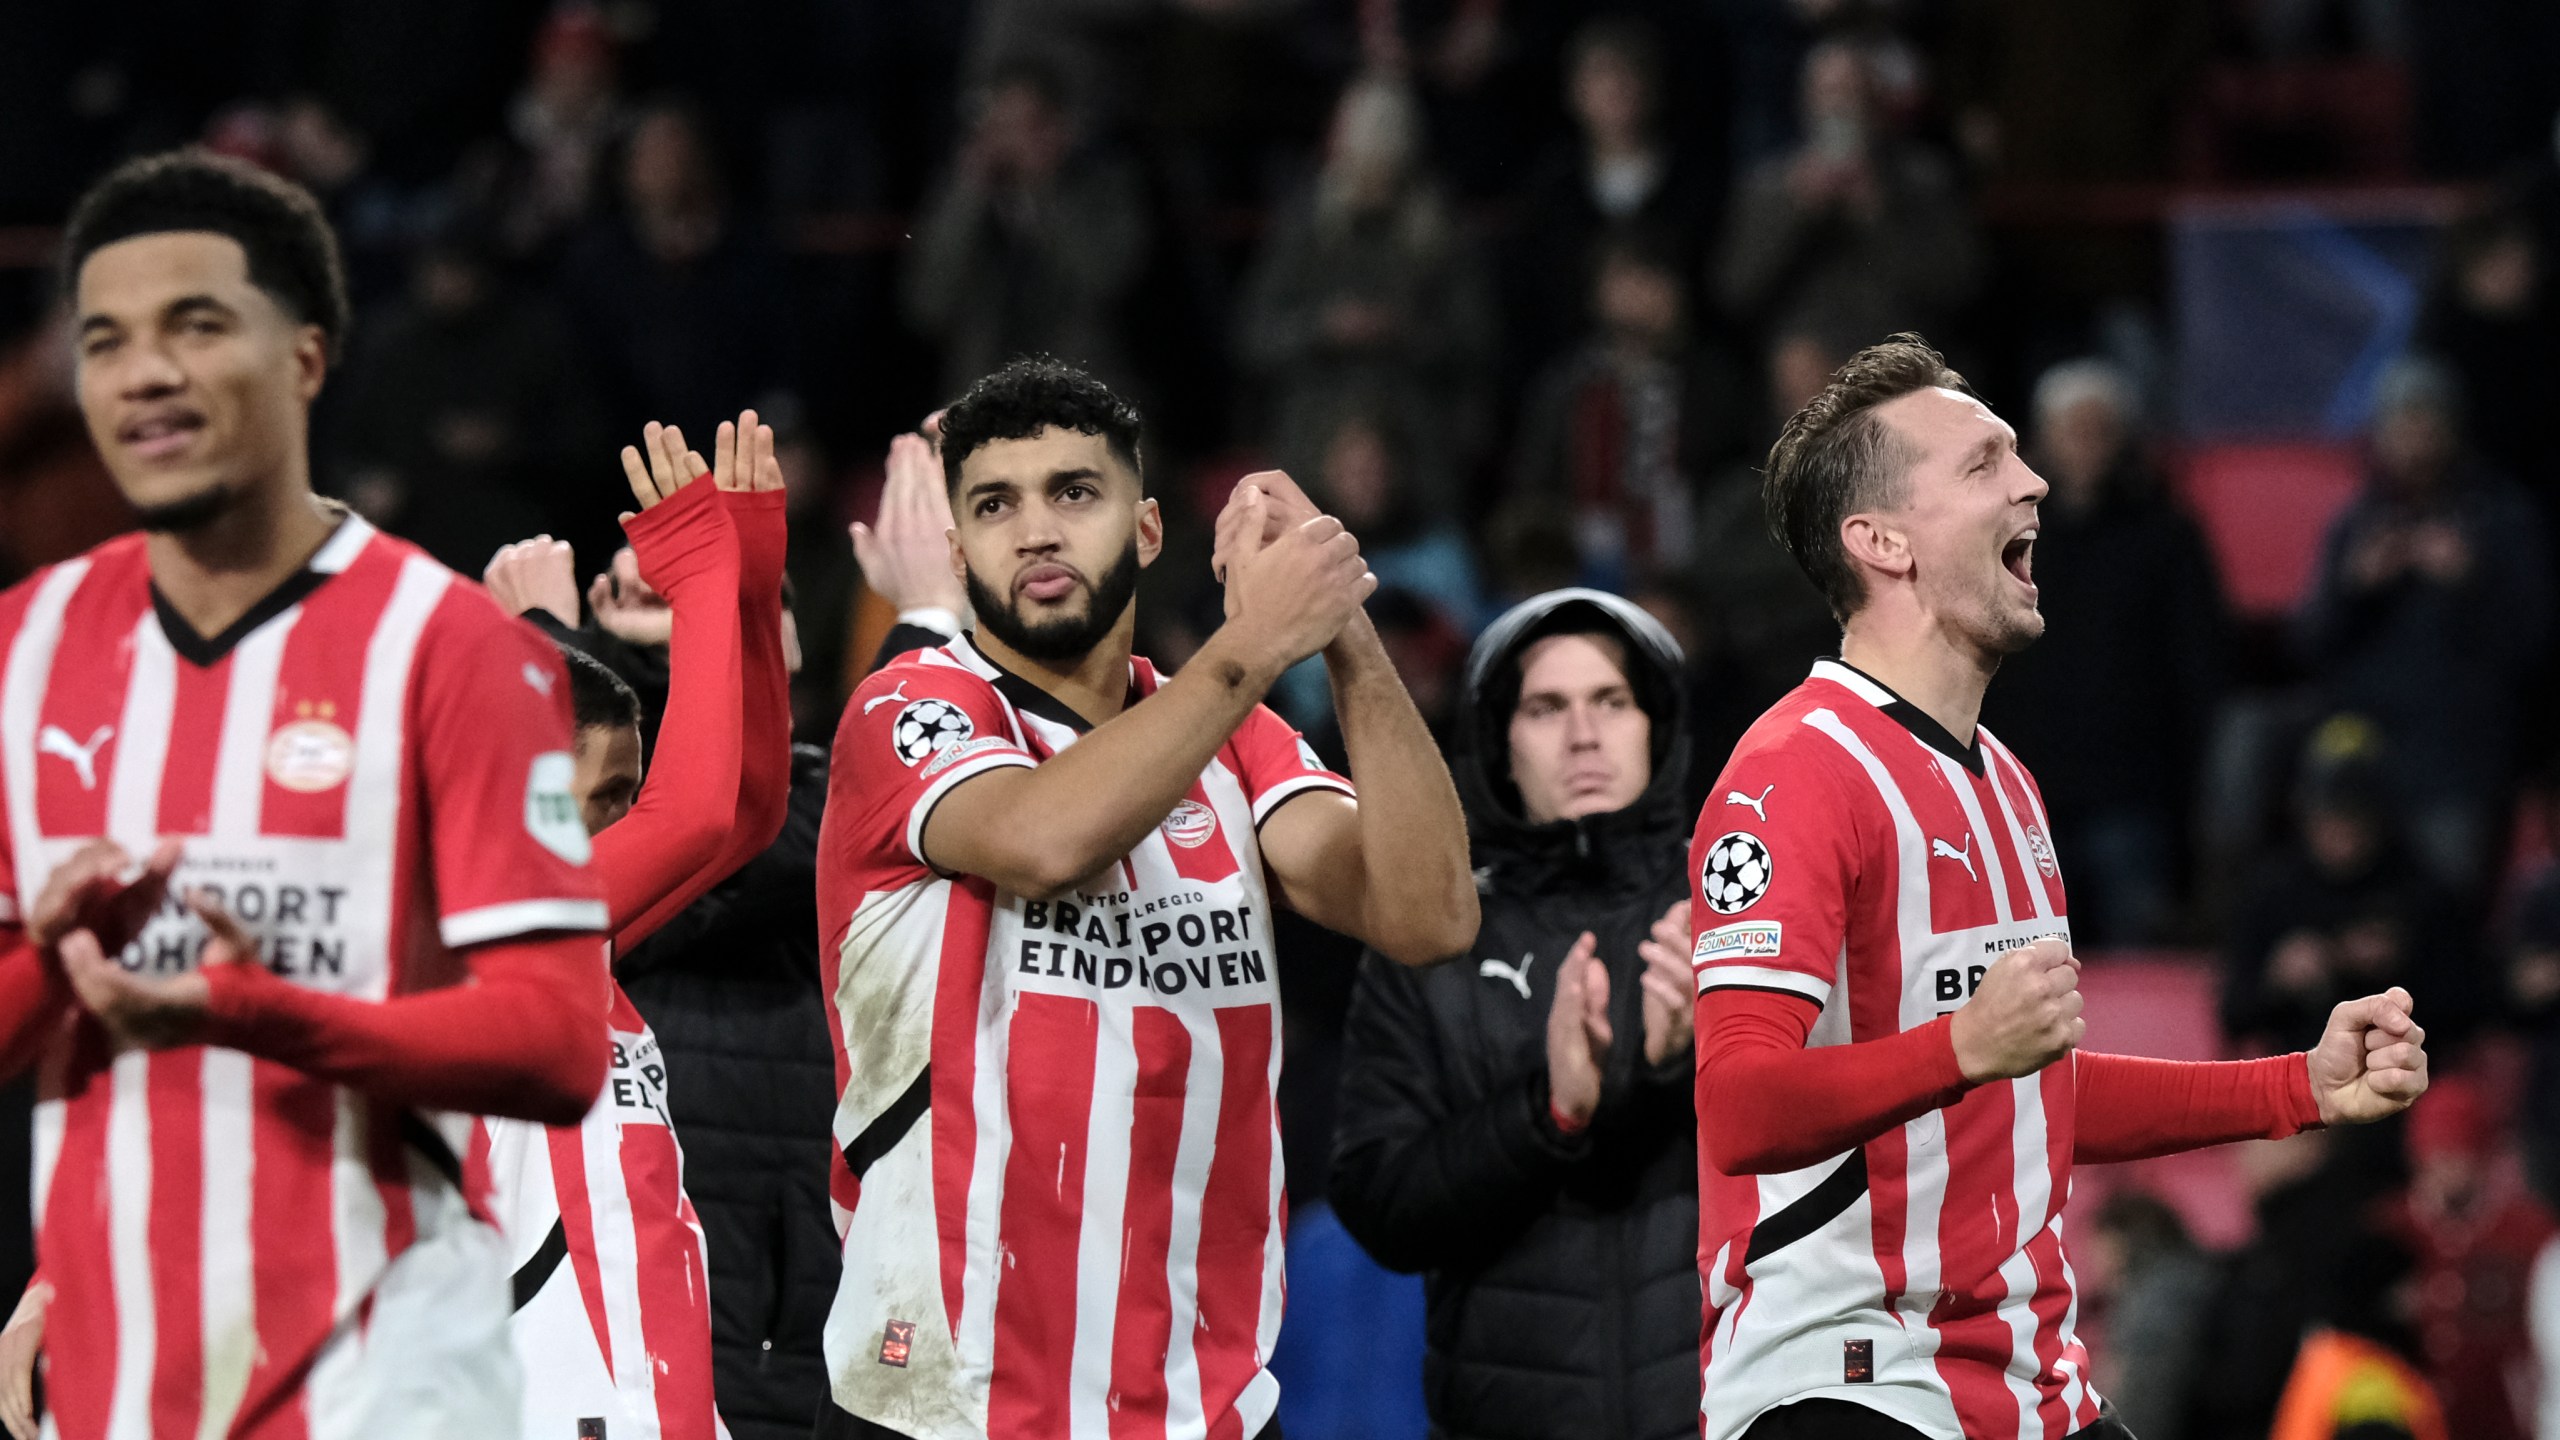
[(249, 1196), (611, 1285), (1045, 899), (1890, 1097)]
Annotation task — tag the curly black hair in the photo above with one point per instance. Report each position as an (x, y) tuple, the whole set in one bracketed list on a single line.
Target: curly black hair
[(1029, 395), (293, 255)]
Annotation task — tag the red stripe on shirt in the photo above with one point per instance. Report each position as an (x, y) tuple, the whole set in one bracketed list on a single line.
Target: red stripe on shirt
[(1235, 1219), (953, 1106), (1049, 1106), (176, 1100), (675, 1315), (2052, 1298), (186, 778), (1143, 1331), (292, 1137), (74, 1250), (578, 1226), (321, 679), (1977, 1230)]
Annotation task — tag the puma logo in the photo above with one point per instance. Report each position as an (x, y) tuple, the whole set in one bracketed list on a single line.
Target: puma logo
[(1518, 974), (897, 697), (53, 740), (1759, 807), (1964, 857)]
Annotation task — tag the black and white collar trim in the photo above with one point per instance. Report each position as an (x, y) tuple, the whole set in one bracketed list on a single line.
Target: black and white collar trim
[(1902, 712), (333, 557), (1025, 696)]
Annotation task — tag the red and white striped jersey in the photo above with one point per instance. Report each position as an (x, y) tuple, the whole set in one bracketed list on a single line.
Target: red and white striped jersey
[(1855, 854), (611, 1288), (371, 771), (1060, 1189)]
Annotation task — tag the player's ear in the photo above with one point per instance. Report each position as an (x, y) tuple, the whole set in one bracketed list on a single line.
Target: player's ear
[(1873, 541), (310, 361), (1150, 532)]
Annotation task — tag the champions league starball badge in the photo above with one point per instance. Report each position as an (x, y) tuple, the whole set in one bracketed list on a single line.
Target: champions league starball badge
[(927, 727), (1736, 873)]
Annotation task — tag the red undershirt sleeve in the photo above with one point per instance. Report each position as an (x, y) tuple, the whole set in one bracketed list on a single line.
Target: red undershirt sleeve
[(1766, 1104), (34, 996), (764, 786), (524, 1038), (668, 849), (2130, 1108)]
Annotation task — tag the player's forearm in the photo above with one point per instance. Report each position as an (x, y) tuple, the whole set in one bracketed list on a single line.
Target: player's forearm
[(2130, 1108), (667, 849), (525, 1039), (1767, 1105), (1418, 893), (1043, 830), (34, 997), (764, 784)]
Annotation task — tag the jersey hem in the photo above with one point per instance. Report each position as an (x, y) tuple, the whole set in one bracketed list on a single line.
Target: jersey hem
[(922, 810), (1291, 789)]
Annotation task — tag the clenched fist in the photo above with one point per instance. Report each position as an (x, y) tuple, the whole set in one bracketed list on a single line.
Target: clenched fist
[(2023, 1017)]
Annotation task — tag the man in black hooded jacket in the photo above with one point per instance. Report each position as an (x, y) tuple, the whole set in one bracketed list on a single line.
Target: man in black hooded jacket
[(1517, 1124)]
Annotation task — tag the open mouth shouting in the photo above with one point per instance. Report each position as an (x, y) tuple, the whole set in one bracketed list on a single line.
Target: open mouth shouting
[(2018, 558)]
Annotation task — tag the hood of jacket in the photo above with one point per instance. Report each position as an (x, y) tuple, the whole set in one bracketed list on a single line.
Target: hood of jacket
[(1608, 850)]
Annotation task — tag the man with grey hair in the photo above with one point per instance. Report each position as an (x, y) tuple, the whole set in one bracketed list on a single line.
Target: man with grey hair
[(2117, 700), (2430, 613)]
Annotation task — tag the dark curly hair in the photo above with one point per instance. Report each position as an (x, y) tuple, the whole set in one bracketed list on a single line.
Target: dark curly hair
[(293, 256), (1835, 458), (1031, 394)]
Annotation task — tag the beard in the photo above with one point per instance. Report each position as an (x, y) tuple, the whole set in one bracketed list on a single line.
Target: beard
[(1067, 637), (187, 513)]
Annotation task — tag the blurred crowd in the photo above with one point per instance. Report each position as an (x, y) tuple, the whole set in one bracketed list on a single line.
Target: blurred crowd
[(1522, 289)]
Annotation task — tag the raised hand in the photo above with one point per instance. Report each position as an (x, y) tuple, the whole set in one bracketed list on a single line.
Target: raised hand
[(660, 465), (905, 553), (2023, 1017), (1578, 1032), (2372, 1060), (1283, 505), (1669, 1000), (1291, 597), (154, 1012), (536, 574), (625, 605), (89, 891), (742, 455)]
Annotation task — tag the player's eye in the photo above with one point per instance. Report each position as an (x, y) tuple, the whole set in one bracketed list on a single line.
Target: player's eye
[(1075, 492)]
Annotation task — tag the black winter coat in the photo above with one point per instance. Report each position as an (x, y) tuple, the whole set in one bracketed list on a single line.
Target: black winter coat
[(731, 988), (1560, 1272)]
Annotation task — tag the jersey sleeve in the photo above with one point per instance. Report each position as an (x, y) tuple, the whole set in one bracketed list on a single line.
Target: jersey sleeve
[(1771, 868), (911, 734), (507, 846), (1275, 763)]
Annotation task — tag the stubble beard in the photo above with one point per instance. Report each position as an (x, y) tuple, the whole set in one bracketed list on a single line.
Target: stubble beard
[(188, 513)]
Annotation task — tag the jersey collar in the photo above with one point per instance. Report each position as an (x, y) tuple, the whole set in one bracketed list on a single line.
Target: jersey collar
[(204, 652), (1902, 712), (1024, 696)]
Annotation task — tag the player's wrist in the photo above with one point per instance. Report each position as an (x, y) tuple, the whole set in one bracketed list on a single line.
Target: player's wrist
[(1243, 656)]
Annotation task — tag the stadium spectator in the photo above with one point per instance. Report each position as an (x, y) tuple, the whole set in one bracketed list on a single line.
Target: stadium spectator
[(2474, 1229), (469, 417), (2118, 696), (1368, 293), (686, 311), (1619, 170), (562, 126), (2430, 612), (1621, 430), (1516, 1125), (2145, 1282), (2490, 316), (1033, 240), (2344, 907), (1860, 230), (1768, 622), (1365, 476)]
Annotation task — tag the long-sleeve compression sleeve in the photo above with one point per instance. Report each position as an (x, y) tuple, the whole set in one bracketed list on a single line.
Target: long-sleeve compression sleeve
[(1767, 1104), (2130, 1108)]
